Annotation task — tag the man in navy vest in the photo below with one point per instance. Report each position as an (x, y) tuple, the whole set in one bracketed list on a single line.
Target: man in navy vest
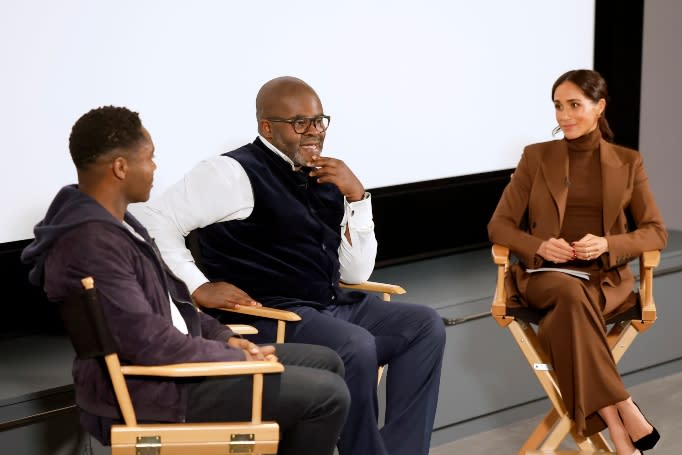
[(279, 225)]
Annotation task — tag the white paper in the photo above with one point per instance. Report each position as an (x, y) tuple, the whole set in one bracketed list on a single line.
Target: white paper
[(576, 273)]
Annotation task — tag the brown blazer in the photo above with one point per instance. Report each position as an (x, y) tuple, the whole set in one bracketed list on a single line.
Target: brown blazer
[(539, 186)]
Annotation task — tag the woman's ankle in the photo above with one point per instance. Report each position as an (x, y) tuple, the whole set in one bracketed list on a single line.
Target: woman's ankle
[(621, 439), (634, 420)]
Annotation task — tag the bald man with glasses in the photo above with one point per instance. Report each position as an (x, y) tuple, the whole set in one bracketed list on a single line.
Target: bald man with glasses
[(279, 225)]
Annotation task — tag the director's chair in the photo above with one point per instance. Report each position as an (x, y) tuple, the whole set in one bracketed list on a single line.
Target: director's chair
[(87, 328), (522, 323)]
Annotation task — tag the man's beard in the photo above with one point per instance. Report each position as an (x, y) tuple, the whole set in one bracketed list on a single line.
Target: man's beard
[(298, 159)]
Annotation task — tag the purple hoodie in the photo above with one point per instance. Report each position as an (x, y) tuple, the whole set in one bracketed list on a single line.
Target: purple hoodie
[(79, 238)]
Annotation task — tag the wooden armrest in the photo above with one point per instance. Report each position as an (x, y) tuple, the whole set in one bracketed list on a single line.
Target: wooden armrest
[(373, 286), (647, 262), (265, 312), (651, 259), (498, 308), (204, 369), (281, 316), (284, 315), (242, 329), (500, 254)]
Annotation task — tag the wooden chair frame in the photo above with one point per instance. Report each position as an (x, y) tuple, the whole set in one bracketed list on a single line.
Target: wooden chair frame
[(256, 437), (242, 329), (556, 424)]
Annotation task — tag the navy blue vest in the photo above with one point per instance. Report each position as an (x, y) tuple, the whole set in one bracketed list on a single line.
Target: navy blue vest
[(288, 246)]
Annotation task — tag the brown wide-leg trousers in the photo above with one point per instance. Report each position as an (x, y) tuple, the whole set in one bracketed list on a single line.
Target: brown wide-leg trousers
[(573, 334)]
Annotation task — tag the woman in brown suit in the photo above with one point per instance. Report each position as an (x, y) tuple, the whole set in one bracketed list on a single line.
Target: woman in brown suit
[(572, 196)]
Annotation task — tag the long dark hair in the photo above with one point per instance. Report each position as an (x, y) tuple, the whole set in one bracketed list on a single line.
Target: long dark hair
[(594, 87)]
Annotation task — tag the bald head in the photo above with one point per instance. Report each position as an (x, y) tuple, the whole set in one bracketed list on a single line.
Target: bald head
[(277, 94)]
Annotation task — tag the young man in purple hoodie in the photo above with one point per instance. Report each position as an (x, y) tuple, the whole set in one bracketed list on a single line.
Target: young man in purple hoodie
[(88, 231)]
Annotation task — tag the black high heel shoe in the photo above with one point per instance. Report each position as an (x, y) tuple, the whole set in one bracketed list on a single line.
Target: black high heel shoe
[(649, 441)]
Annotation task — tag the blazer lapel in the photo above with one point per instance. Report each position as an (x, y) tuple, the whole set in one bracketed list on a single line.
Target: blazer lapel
[(555, 171), (614, 183)]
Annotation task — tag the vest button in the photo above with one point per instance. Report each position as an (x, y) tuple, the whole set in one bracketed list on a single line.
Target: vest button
[(324, 247), (333, 297)]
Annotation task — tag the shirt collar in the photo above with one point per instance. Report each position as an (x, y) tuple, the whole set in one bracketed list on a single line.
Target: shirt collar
[(294, 167)]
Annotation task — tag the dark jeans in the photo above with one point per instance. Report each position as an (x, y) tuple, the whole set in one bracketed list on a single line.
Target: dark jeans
[(309, 400)]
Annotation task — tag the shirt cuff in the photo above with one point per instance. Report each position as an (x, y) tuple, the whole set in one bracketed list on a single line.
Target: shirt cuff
[(359, 212), (191, 275)]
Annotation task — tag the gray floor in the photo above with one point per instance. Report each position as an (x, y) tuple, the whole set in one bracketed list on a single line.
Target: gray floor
[(661, 399)]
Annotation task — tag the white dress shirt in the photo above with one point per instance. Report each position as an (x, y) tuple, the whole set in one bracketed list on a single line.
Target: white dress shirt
[(218, 189)]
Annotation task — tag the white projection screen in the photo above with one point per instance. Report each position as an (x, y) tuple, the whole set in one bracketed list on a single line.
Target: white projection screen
[(416, 90)]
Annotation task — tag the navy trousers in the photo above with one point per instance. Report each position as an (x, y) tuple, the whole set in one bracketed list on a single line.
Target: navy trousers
[(367, 332)]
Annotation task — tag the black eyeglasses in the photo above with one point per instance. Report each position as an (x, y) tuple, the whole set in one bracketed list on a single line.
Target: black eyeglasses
[(302, 124)]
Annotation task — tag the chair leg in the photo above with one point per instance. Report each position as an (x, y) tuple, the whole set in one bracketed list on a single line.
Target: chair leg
[(281, 328), (527, 340), (592, 444), (558, 434), (583, 443), (600, 442), (556, 425), (541, 431), (620, 337)]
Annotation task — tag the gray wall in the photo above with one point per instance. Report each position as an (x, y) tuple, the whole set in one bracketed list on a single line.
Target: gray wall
[(661, 108)]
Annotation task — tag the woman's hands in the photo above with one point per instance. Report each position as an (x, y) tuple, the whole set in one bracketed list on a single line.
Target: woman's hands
[(590, 247), (560, 251), (556, 250)]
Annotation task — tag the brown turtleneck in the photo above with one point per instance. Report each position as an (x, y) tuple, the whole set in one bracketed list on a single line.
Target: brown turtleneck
[(584, 204)]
